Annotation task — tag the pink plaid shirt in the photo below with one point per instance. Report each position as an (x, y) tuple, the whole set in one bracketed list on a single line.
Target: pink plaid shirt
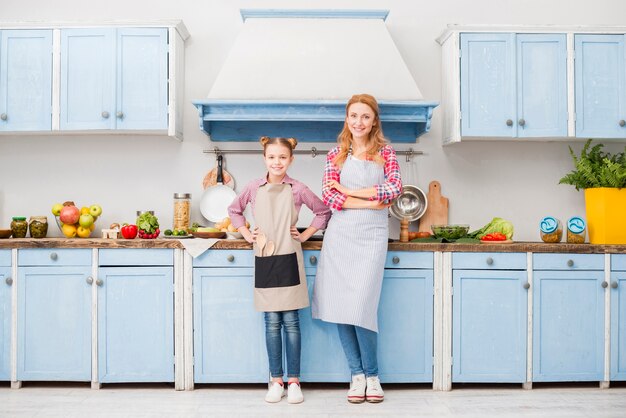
[(301, 195), (387, 191)]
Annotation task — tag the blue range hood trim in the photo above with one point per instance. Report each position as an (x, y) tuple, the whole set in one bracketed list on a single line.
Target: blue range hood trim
[(312, 121), (314, 13)]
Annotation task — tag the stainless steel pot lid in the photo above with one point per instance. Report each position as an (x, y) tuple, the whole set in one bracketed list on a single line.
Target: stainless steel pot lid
[(411, 204)]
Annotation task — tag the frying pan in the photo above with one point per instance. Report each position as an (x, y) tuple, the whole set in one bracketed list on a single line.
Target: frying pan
[(216, 199)]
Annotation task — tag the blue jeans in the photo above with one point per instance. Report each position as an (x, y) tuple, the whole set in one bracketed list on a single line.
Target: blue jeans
[(360, 346), (289, 321)]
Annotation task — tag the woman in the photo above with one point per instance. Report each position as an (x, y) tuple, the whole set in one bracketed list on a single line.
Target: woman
[(361, 178)]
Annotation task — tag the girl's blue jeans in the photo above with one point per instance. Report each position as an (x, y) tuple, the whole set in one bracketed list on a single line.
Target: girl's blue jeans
[(290, 323), (360, 346)]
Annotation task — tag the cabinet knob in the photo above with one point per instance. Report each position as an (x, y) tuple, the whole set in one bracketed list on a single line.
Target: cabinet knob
[(9, 281), (570, 263), (605, 284), (313, 260), (526, 285), (230, 258), (119, 114), (99, 282), (4, 116), (53, 256), (105, 114), (509, 122), (395, 260), (490, 261), (521, 122), (613, 285), (622, 122), (89, 280)]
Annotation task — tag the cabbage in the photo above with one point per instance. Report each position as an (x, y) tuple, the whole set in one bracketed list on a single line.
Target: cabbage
[(496, 225)]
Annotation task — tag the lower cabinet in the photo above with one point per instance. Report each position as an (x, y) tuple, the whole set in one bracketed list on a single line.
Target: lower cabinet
[(618, 317), (135, 315), (489, 317), (6, 283), (54, 315), (568, 317)]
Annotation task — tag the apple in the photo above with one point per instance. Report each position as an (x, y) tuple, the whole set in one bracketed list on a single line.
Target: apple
[(69, 230), (69, 214), (83, 232), (95, 210), (85, 220), (56, 209)]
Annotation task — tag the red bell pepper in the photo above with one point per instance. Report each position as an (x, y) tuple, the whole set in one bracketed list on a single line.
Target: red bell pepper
[(129, 231)]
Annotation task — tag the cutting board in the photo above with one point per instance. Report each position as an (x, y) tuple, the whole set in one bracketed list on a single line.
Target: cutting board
[(437, 210)]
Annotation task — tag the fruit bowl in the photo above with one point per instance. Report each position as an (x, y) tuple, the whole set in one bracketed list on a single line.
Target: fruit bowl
[(75, 222), (72, 230), (450, 231)]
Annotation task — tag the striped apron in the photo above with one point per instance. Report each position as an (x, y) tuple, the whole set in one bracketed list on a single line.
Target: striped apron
[(350, 271)]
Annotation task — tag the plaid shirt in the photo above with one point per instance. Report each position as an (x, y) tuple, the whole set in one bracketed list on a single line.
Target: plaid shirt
[(387, 191)]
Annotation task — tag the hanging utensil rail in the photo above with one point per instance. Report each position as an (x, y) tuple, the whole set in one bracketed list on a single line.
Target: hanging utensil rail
[(314, 152)]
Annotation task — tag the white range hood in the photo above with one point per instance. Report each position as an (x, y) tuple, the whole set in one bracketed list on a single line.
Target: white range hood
[(290, 73)]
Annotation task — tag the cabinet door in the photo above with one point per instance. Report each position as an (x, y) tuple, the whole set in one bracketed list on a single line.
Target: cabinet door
[(568, 326), (5, 323), (541, 85), (488, 85), (618, 325), (229, 335), (136, 324), (87, 72), (489, 312), (600, 86), (142, 79), (54, 323), (405, 322), (25, 80)]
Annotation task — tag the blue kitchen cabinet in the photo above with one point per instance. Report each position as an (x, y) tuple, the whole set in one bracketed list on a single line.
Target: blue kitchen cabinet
[(114, 79), (54, 314), (489, 311), (618, 317), (513, 85), (25, 80), (135, 315), (568, 317), (600, 77), (6, 283)]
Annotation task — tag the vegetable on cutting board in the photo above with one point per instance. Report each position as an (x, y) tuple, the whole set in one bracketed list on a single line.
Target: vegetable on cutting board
[(498, 225)]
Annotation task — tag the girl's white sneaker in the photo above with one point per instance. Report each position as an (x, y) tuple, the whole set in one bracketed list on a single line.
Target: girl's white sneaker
[(356, 394), (374, 393), (275, 392), (294, 393)]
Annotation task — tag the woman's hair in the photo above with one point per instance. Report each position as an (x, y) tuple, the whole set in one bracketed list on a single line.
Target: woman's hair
[(287, 142), (376, 138)]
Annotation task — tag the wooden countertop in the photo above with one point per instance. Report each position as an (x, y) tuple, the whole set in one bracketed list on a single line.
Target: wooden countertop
[(535, 247)]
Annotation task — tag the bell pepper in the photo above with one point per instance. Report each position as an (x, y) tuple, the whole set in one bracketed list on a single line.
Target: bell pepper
[(129, 231)]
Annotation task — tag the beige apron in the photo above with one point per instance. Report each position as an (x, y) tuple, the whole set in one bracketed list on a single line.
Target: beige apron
[(279, 278)]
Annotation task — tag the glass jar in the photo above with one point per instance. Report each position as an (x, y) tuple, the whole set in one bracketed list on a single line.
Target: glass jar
[(551, 229), (38, 226), (182, 211), (19, 227), (576, 230)]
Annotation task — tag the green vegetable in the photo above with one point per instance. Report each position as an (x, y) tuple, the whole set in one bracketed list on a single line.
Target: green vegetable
[(597, 169), (147, 222), (168, 232), (496, 225)]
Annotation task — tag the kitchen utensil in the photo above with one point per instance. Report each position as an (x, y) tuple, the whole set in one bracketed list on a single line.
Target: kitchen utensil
[(216, 199), (449, 231), (437, 212), (5, 233), (261, 240), (269, 248), (409, 206), (219, 234), (234, 235), (506, 241), (211, 177)]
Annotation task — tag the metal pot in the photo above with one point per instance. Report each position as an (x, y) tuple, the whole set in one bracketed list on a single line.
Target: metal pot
[(410, 205)]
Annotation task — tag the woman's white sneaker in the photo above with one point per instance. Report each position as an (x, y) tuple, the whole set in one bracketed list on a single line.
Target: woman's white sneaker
[(294, 393), (275, 392), (356, 394), (374, 392)]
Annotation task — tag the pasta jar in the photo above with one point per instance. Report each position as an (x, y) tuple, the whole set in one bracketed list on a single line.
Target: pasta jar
[(576, 230), (182, 211), (551, 229), (38, 226), (19, 227)]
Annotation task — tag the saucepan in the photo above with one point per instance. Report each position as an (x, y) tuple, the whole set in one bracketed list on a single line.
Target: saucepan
[(216, 199), (410, 205)]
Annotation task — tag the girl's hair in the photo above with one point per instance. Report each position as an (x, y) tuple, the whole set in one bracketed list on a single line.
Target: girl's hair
[(287, 142), (376, 138)]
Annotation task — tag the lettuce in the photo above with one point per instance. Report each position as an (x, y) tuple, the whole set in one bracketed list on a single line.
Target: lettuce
[(496, 225)]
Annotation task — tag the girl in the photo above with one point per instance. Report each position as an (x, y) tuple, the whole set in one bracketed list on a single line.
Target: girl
[(280, 281), (361, 177)]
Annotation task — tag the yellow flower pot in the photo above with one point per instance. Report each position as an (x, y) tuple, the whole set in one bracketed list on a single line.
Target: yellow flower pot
[(606, 215)]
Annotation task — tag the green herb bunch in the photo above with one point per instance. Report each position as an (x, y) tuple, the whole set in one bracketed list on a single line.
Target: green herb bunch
[(595, 168)]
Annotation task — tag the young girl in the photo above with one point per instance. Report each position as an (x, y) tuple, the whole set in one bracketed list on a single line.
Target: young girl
[(280, 281)]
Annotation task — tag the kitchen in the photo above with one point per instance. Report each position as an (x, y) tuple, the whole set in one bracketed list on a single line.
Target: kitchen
[(125, 173)]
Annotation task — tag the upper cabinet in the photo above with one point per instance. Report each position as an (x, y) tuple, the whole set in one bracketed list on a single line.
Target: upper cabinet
[(25, 80), (100, 79)]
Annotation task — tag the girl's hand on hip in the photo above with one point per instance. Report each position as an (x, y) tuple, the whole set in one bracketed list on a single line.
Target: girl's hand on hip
[(249, 236), (295, 234)]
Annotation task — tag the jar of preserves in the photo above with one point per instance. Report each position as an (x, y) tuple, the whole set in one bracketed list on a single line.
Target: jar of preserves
[(38, 226), (576, 230), (551, 229), (182, 211), (19, 227)]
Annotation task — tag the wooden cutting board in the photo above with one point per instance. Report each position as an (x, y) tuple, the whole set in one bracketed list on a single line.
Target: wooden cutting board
[(211, 179), (437, 210)]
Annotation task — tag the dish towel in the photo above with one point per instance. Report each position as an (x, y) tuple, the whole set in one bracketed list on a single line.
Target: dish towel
[(197, 246)]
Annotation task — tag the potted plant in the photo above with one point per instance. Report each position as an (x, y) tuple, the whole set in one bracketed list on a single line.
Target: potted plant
[(603, 177)]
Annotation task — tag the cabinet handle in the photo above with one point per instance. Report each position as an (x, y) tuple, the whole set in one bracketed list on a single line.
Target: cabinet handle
[(509, 122), (89, 280), (105, 114), (395, 260), (490, 261), (313, 260), (526, 285), (4, 116), (605, 284), (9, 281), (119, 114), (570, 263), (521, 122), (613, 285), (53, 256), (230, 258), (99, 282), (622, 122)]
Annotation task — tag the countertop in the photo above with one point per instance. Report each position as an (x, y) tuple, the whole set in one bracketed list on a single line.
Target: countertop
[(239, 244)]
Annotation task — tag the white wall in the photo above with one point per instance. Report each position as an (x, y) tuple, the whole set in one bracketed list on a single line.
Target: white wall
[(517, 181)]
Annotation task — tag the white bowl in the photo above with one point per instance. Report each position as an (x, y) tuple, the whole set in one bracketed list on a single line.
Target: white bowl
[(234, 235)]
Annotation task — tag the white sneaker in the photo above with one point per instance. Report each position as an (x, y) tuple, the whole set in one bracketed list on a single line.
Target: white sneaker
[(374, 393), (294, 393), (356, 394), (275, 392)]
